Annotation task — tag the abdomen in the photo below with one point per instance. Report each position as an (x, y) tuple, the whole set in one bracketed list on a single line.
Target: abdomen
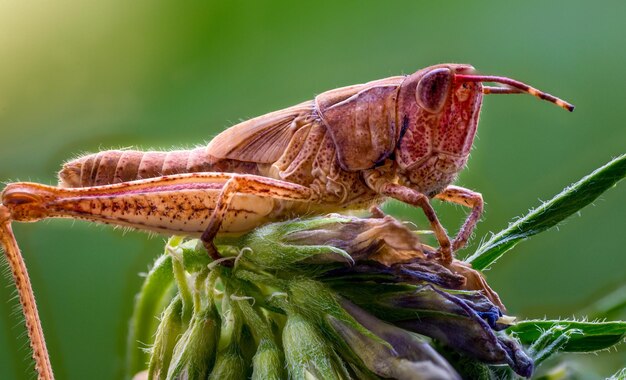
[(117, 166)]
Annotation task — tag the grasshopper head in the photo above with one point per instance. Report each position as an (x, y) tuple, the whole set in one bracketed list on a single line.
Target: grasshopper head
[(438, 109), (438, 116)]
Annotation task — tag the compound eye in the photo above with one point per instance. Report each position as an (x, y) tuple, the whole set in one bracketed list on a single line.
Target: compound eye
[(432, 90)]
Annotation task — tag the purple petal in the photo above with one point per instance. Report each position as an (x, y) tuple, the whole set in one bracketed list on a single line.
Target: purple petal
[(466, 329)]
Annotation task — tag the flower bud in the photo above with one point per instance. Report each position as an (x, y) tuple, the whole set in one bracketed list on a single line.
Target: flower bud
[(464, 322), (333, 238), (385, 240), (167, 335), (195, 351), (309, 355), (267, 363), (267, 246), (229, 364), (405, 358)]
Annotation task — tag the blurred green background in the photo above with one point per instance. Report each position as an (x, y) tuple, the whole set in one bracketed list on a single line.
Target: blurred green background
[(82, 76)]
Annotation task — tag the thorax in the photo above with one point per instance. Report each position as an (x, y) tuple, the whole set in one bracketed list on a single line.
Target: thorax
[(311, 160)]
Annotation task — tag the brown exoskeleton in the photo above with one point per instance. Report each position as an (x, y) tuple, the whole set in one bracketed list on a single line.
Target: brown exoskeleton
[(404, 137)]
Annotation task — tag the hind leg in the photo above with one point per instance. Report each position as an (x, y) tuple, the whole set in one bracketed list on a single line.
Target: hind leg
[(248, 184)]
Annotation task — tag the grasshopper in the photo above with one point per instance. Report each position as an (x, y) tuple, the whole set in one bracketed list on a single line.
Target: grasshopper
[(403, 137)]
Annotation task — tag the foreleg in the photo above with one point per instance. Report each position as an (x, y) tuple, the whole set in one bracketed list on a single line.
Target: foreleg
[(417, 199), (467, 198)]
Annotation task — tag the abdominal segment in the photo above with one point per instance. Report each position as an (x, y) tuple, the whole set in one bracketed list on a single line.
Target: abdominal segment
[(117, 166)]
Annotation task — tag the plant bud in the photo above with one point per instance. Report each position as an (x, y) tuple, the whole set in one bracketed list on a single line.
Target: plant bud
[(229, 364), (334, 238), (267, 363), (267, 247), (167, 335), (385, 240), (464, 322), (194, 354), (309, 355), (405, 358)]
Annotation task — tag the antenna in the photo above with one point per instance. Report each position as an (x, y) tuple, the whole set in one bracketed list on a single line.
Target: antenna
[(513, 87)]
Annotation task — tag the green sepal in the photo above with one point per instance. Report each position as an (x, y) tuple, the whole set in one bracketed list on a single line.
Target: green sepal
[(195, 257), (165, 340), (173, 249), (259, 327), (268, 246), (317, 301), (268, 362), (229, 364), (551, 342), (194, 353), (308, 353)]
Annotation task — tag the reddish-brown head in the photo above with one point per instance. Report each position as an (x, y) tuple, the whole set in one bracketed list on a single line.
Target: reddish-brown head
[(438, 109)]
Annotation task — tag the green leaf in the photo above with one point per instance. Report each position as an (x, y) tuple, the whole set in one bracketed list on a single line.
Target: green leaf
[(592, 336), (549, 214)]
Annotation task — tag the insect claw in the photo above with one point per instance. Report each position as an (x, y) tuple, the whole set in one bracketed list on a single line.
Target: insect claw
[(377, 212)]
